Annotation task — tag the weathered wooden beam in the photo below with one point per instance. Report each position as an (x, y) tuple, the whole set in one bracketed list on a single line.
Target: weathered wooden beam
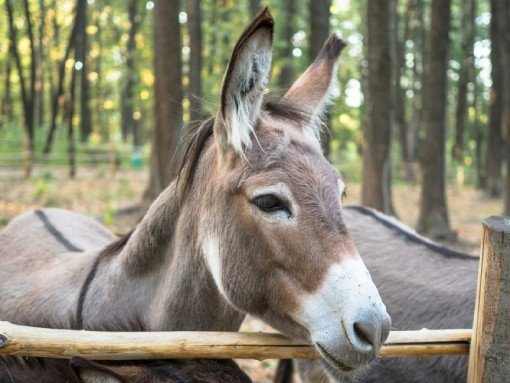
[(52, 343), (489, 359)]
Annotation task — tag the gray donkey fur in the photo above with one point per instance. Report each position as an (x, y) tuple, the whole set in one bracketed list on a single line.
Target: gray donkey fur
[(423, 285)]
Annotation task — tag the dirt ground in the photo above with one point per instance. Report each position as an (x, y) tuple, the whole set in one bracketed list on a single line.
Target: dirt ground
[(101, 194)]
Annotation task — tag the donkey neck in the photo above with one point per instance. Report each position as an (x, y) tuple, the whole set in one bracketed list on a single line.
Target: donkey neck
[(163, 270)]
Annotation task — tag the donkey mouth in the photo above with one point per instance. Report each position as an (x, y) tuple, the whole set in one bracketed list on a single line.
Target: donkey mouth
[(332, 361)]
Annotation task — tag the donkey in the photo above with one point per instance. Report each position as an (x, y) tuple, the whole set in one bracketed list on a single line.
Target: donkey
[(158, 371), (80, 370), (253, 224), (423, 284)]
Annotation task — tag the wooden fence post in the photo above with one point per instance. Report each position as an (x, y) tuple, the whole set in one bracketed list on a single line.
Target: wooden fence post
[(489, 358)]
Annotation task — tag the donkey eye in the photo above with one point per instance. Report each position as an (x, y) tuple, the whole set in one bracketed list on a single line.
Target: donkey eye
[(269, 203), (344, 195)]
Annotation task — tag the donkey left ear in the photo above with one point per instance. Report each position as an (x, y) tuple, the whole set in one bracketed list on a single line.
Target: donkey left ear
[(244, 84), (312, 90)]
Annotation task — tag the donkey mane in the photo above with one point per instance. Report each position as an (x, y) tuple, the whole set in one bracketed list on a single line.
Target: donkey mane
[(198, 135), (409, 235), (185, 163)]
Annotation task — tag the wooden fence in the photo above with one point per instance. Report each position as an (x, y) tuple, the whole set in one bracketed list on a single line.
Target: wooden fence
[(488, 343)]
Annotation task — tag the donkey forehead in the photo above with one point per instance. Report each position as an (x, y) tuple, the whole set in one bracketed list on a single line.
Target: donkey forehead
[(283, 152)]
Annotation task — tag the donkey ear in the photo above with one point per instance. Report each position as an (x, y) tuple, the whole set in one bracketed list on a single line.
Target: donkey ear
[(312, 90), (244, 84)]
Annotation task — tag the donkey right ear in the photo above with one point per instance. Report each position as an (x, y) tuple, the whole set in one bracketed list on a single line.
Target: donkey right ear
[(244, 84)]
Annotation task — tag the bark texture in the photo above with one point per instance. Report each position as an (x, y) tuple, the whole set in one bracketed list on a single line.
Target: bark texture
[(376, 160), (319, 31), (195, 59), (502, 13), (465, 76), (168, 94), (286, 77), (494, 182), (434, 221)]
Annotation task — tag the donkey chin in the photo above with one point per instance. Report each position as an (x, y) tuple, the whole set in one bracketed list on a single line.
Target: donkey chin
[(346, 319)]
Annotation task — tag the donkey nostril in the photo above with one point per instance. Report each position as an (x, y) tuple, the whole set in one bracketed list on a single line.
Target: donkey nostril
[(367, 332)]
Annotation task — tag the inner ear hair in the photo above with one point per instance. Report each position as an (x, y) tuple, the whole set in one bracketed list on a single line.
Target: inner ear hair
[(244, 83), (312, 90)]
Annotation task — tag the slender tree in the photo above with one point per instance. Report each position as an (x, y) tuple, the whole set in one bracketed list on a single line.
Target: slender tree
[(494, 160), (433, 219), (286, 77), (399, 31), (255, 6), (82, 48), (27, 92), (319, 30), (376, 159), (128, 122), (416, 31), (69, 116), (59, 87), (39, 71), (502, 12), (465, 73), (7, 96), (195, 59), (168, 94)]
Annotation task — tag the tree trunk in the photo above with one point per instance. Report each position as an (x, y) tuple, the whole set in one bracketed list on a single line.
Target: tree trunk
[(286, 77), (26, 97), (494, 183), (39, 71), (255, 6), (168, 94), (376, 159), (81, 57), (502, 12), (7, 97), (57, 96), (30, 113), (466, 68), (195, 59), (319, 32), (70, 102), (433, 219), (399, 33), (127, 120), (212, 37)]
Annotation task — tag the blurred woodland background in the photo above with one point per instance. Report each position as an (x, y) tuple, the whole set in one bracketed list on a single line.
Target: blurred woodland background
[(95, 95)]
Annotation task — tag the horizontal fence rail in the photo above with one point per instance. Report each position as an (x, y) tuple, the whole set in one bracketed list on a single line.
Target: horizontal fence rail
[(100, 345)]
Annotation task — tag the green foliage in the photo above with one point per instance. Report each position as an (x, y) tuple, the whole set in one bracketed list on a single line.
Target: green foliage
[(222, 23)]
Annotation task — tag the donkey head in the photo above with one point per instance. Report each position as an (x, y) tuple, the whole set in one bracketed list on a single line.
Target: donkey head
[(272, 231)]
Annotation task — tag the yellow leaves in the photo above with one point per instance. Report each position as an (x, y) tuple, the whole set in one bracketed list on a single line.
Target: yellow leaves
[(137, 115), (108, 104), (91, 29), (348, 122), (144, 94), (69, 63), (95, 138), (92, 76), (468, 160), (147, 77)]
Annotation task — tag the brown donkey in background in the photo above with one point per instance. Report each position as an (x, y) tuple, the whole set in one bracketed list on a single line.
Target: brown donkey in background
[(252, 225)]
